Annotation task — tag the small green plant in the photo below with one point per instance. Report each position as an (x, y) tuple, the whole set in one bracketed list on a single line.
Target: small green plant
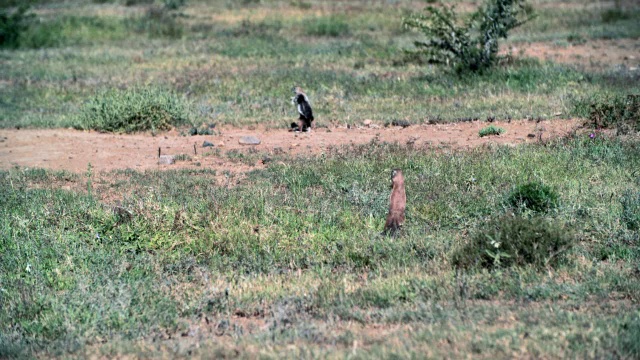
[(631, 210), (131, 110), (330, 26), (491, 130), (470, 46), (534, 196), (12, 25), (516, 241)]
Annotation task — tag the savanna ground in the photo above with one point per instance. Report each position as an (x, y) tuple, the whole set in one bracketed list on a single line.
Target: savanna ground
[(275, 250)]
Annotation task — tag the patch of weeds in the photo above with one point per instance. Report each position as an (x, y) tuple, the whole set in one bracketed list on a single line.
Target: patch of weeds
[(534, 196), (131, 110), (330, 26), (576, 39), (182, 157), (611, 111), (631, 210), (491, 130), (516, 241), (629, 336)]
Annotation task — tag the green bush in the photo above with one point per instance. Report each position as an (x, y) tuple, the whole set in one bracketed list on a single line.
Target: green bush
[(533, 196), (12, 25), (491, 130), (470, 46), (131, 110), (516, 241), (332, 26), (631, 210)]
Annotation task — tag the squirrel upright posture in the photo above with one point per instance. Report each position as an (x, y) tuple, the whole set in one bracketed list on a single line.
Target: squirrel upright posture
[(397, 203)]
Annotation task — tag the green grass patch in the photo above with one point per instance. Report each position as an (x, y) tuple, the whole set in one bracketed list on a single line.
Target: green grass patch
[(534, 196), (516, 240), (131, 110), (331, 26), (491, 130), (132, 257)]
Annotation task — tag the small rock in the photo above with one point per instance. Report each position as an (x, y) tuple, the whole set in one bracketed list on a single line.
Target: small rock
[(166, 160), (531, 136), (249, 140), (207, 144), (221, 144), (367, 122)]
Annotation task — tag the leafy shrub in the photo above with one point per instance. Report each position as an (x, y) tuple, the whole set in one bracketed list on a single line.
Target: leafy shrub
[(132, 110), (516, 241), (631, 210), (12, 25), (491, 130), (533, 196), (469, 46), (332, 26)]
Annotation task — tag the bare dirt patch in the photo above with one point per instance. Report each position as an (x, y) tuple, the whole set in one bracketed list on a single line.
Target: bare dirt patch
[(71, 150)]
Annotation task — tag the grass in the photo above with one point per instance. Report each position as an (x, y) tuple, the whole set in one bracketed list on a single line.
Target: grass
[(491, 130), (288, 260), (76, 272), (351, 71)]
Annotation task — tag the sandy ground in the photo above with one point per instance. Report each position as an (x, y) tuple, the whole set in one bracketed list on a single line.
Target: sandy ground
[(72, 150)]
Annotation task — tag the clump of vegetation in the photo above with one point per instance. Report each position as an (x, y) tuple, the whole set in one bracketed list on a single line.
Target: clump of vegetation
[(331, 26), (533, 196), (470, 45), (612, 111), (516, 241), (615, 14), (631, 210), (491, 130), (131, 110), (12, 25)]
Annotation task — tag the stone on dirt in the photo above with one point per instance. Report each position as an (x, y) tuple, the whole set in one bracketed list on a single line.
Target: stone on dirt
[(249, 140), (207, 144)]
